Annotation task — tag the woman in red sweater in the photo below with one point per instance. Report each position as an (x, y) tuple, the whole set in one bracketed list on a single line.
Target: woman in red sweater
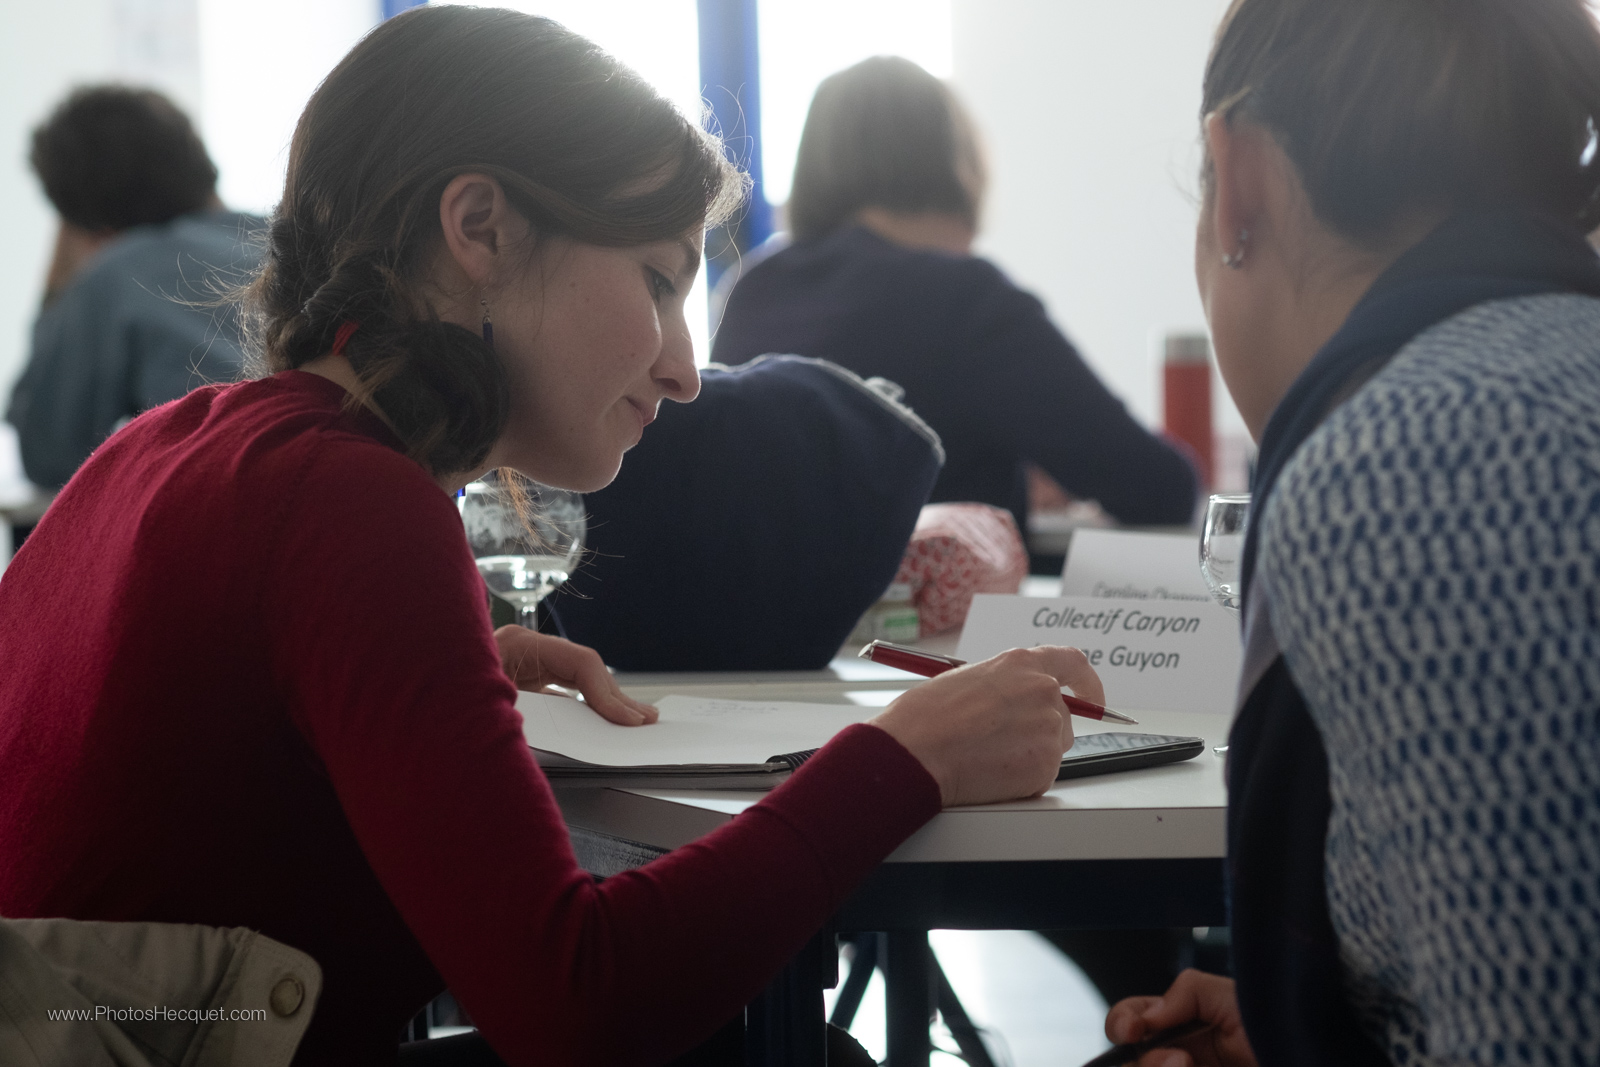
[(248, 676)]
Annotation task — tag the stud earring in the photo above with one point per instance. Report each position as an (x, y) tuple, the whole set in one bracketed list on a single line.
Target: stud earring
[(1235, 260), (488, 327)]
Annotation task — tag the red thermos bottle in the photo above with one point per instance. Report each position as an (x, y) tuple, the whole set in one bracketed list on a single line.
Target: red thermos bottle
[(1187, 396)]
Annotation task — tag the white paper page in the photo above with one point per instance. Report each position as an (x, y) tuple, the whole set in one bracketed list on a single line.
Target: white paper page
[(690, 730), (1136, 566), (1151, 655)]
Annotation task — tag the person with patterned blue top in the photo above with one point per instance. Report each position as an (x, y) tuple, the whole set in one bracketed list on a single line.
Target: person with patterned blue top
[(1391, 255)]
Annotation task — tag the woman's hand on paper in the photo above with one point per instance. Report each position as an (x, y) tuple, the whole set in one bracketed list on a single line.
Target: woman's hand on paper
[(534, 661), (1194, 995), (994, 730)]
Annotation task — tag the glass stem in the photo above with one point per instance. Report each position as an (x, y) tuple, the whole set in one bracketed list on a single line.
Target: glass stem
[(528, 616)]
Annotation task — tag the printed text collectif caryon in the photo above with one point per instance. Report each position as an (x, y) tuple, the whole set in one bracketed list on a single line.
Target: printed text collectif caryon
[(1106, 619)]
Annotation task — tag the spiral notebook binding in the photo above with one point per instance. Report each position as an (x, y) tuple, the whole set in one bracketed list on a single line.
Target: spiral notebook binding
[(794, 759)]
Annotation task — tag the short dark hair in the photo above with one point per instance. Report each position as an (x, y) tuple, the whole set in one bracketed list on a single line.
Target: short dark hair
[(1392, 109), (884, 133), (111, 157), (583, 147)]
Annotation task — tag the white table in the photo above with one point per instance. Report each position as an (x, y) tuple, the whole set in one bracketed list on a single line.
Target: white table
[(1137, 849), (1171, 812)]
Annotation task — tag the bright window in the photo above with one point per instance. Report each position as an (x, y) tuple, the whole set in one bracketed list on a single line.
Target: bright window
[(660, 39), (804, 41)]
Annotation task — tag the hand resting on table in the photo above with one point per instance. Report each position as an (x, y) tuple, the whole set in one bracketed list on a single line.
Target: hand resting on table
[(533, 661), (994, 730)]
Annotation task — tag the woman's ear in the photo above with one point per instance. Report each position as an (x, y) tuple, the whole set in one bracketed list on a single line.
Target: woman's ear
[(480, 227), (1238, 187)]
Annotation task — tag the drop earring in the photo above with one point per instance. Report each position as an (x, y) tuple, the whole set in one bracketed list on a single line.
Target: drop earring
[(488, 327), (1235, 260)]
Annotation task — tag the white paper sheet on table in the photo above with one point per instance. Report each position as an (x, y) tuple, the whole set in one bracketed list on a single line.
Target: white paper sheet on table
[(701, 743), (691, 730)]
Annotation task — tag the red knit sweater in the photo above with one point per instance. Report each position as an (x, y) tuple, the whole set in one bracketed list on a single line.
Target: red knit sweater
[(247, 678)]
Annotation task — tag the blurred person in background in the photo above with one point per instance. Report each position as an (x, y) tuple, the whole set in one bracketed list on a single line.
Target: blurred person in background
[(131, 316), (881, 278)]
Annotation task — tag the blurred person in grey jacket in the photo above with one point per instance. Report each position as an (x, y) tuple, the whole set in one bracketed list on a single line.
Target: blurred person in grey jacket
[(131, 316)]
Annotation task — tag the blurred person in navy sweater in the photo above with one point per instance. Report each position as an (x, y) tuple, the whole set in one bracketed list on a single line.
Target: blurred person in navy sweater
[(880, 278)]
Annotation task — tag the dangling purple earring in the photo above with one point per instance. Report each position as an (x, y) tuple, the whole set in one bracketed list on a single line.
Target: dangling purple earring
[(488, 327)]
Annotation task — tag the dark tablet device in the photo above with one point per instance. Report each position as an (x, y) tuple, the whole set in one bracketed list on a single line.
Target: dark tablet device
[(1091, 754), (1105, 753)]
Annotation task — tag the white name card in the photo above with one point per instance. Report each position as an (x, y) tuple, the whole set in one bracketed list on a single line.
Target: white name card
[(1151, 655), (1135, 566)]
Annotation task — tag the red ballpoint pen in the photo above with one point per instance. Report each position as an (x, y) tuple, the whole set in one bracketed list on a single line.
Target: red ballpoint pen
[(916, 661)]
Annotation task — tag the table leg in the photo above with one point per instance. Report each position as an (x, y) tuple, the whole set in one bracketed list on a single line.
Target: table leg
[(785, 1026), (862, 968), (967, 1037), (908, 997)]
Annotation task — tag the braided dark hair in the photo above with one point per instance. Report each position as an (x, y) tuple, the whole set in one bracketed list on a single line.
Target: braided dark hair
[(582, 146)]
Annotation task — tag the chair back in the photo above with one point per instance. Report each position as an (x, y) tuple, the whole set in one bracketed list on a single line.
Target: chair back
[(750, 529)]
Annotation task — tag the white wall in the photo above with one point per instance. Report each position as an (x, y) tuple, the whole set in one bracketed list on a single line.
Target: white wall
[(44, 49), (259, 64), (242, 69), (1089, 108)]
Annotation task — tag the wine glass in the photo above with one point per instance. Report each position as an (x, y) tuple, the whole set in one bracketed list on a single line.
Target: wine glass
[(1222, 548), (527, 537)]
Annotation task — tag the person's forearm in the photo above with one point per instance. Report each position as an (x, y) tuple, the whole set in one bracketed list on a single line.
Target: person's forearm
[(556, 969), (1100, 452), (1154, 484), (763, 884), (1048, 406)]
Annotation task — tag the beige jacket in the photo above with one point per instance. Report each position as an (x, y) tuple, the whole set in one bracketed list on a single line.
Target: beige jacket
[(94, 994)]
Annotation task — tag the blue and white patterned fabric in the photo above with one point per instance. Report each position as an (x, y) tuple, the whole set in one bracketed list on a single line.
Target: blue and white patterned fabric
[(1433, 555)]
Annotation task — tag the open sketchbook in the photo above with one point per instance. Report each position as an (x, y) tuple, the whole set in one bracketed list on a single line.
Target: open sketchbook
[(698, 743), (702, 743)]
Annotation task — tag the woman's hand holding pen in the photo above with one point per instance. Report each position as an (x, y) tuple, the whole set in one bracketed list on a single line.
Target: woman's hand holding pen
[(994, 730), (1194, 996), (533, 661)]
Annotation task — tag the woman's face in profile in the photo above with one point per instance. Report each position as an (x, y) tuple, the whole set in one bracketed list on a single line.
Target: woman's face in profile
[(593, 338)]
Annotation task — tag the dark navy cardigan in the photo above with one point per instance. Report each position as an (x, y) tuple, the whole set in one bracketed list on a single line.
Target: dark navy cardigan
[(979, 360)]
